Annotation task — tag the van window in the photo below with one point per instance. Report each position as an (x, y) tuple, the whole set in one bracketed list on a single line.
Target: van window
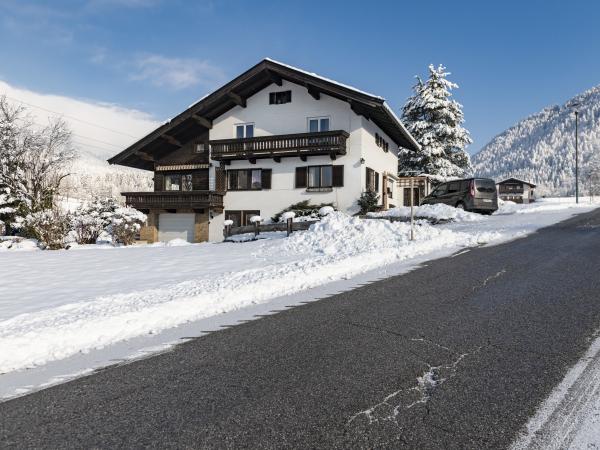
[(440, 190), (485, 185), (453, 186)]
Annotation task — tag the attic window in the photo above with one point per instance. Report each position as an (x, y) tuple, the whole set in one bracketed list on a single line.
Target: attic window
[(279, 98), (381, 142)]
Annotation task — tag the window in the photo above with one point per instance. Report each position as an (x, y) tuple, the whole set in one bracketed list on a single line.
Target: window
[(279, 98), (317, 124), (200, 148), (179, 182), (372, 180), (244, 130), (248, 179), (453, 187), (320, 177), (381, 142)]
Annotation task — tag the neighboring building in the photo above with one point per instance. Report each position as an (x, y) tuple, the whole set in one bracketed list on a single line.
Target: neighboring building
[(515, 190), (421, 185), (274, 136)]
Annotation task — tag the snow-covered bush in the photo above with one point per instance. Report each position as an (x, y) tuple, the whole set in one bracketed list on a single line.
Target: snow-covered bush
[(126, 224), (91, 219), (301, 210), (368, 202), (325, 210), (50, 227)]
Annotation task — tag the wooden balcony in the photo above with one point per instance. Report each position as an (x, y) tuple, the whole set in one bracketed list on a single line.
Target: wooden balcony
[(332, 143), (175, 200)]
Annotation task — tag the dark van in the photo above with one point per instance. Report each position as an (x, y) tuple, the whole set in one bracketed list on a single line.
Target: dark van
[(473, 194)]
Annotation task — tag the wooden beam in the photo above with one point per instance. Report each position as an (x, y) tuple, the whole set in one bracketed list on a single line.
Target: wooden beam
[(252, 160), (303, 158), (333, 156), (277, 159), (313, 91), (238, 100), (358, 110), (171, 140), (145, 156), (275, 78), (202, 121)]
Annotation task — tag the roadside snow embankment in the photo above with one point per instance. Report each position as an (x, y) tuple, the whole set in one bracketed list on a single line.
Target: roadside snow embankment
[(338, 247), (436, 213)]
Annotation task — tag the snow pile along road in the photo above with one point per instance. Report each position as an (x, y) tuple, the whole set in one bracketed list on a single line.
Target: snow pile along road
[(336, 248), (438, 212)]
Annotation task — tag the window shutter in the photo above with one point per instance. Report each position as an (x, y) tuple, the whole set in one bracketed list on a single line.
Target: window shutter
[(158, 181), (338, 176), (300, 177), (265, 178), (376, 181)]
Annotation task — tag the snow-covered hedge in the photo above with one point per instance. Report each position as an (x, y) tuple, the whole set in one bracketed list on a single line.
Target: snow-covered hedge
[(125, 224)]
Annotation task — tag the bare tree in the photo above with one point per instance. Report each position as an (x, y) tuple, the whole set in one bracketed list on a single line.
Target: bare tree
[(33, 161)]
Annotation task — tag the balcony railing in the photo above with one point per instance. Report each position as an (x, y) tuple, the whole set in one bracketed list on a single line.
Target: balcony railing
[(301, 144), (175, 200)]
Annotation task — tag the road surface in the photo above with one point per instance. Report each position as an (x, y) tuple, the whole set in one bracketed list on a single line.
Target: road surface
[(456, 354)]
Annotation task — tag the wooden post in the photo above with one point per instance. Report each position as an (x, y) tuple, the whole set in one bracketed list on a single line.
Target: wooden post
[(256, 228), (384, 192), (290, 222), (412, 210), (227, 231)]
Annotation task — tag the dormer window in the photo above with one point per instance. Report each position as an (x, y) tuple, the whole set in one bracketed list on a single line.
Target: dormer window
[(317, 124), (244, 130), (279, 98)]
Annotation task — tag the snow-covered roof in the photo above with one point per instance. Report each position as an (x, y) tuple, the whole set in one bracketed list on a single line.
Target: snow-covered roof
[(516, 179), (195, 118)]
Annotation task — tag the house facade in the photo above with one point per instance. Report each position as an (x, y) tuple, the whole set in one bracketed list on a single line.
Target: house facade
[(515, 190), (272, 137)]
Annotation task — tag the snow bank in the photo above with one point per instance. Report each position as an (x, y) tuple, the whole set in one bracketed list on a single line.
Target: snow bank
[(337, 247), (436, 212), (17, 244)]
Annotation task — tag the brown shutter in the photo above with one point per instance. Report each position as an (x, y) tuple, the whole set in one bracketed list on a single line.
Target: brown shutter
[(220, 179), (376, 181), (265, 176), (338, 176), (300, 177), (200, 180), (158, 181)]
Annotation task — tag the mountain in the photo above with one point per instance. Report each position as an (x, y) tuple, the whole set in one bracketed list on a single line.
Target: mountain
[(541, 148)]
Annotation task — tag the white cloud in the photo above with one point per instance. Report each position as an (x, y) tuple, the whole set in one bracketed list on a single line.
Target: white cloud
[(176, 73), (99, 130)]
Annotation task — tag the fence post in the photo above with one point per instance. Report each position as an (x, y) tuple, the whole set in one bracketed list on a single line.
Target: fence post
[(290, 222), (256, 228)]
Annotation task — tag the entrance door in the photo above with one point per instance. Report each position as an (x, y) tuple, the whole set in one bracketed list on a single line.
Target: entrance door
[(176, 226)]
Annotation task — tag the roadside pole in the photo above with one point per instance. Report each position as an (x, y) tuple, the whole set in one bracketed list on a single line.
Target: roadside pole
[(412, 209)]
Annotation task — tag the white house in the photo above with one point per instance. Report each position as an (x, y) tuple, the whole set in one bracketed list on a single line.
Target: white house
[(274, 136)]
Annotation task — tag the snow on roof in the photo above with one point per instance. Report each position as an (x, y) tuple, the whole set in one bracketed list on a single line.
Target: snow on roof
[(516, 179), (329, 80)]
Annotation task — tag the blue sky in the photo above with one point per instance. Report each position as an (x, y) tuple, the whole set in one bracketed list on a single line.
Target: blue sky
[(509, 58)]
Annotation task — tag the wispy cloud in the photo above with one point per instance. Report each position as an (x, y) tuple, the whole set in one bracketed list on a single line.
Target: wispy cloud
[(176, 73)]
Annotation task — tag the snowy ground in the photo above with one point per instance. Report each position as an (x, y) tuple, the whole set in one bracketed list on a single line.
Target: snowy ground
[(63, 313)]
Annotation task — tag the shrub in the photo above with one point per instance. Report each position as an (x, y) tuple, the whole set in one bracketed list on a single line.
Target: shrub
[(368, 202), (302, 209), (126, 224), (91, 219), (50, 227)]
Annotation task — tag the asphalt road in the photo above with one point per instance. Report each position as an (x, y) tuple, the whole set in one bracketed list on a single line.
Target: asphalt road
[(457, 354)]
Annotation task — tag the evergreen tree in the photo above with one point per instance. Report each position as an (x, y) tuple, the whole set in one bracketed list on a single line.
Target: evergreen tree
[(434, 120)]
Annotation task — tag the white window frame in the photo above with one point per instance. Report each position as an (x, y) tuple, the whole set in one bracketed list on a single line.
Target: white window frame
[(244, 124), (318, 118)]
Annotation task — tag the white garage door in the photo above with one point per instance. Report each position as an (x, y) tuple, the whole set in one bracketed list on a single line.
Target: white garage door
[(176, 226)]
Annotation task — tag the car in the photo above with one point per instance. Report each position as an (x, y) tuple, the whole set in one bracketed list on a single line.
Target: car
[(471, 194)]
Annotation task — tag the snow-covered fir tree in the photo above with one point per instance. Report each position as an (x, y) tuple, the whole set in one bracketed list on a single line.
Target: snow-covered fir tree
[(435, 120)]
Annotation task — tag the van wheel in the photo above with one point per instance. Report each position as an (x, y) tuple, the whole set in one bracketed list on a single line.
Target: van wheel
[(460, 205)]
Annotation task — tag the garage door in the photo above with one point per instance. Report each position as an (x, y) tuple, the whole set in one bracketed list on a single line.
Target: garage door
[(176, 226)]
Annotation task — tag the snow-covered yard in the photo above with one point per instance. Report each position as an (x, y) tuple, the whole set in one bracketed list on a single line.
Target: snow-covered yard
[(57, 304)]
